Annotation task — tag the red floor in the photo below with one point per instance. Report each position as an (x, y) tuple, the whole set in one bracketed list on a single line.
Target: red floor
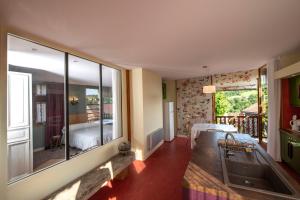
[(157, 178)]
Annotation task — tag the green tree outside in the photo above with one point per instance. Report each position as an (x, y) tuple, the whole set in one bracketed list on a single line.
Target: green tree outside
[(234, 102)]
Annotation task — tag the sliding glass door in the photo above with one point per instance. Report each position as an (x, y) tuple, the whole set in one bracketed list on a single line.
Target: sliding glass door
[(263, 104)]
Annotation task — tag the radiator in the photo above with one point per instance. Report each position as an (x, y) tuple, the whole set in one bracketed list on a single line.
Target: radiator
[(154, 138)]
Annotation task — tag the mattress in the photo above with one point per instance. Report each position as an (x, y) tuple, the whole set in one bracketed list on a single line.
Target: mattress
[(86, 135), (85, 138)]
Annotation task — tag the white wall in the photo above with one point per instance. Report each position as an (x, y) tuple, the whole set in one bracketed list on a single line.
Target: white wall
[(289, 58), (137, 117), (41, 184), (152, 102), (146, 108), (3, 150)]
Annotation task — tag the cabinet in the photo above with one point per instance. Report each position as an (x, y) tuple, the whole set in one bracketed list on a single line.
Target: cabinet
[(290, 149), (19, 125)]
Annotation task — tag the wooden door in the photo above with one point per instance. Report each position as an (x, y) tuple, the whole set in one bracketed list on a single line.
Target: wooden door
[(19, 125)]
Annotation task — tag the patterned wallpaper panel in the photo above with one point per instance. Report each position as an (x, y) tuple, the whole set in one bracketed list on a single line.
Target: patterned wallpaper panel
[(195, 107), (236, 80), (192, 105)]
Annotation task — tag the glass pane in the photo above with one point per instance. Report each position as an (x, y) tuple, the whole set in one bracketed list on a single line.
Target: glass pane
[(35, 107), (111, 94), (84, 105), (238, 108), (264, 102)]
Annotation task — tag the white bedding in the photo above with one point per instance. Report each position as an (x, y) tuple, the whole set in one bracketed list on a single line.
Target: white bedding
[(197, 128), (85, 138), (86, 135)]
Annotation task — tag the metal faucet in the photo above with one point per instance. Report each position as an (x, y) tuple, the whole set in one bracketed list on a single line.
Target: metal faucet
[(226, 152)]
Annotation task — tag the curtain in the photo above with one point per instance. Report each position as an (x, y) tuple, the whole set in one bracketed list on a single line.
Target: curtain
[(274, 92), (55, 112)]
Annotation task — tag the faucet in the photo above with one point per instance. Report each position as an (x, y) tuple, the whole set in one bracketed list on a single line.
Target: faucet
[(226, 152)]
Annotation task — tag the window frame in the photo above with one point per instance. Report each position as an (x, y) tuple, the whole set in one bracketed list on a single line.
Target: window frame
[(68, 52)]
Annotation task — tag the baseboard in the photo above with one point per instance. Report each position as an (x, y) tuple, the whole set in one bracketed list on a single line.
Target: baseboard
[(179, 135), (153, 150), (170, 140), (39, 149)]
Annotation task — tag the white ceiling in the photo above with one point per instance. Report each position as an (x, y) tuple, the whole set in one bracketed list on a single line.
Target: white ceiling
[(172, 37), (27, 54)]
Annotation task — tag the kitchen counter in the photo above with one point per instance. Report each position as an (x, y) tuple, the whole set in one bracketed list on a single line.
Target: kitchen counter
[(203, 178), (291, 132)]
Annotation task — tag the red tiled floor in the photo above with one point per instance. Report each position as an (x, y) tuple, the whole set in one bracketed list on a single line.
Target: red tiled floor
[(157, 178)]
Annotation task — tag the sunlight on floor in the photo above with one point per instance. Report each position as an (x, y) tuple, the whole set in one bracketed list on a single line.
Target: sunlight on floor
[(139, 166)]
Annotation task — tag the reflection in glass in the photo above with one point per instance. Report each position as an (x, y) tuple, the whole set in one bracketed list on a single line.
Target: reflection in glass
[(35, 107), (84, 105), (111, 97), (36, 128)]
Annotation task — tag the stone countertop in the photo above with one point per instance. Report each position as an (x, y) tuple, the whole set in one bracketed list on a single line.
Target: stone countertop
[(203, 178)]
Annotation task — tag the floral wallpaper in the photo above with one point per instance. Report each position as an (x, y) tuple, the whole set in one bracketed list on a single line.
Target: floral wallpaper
[(193, 106), (236, 80)]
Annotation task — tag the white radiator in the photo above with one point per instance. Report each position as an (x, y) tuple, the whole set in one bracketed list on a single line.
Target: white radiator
[(155, 138)]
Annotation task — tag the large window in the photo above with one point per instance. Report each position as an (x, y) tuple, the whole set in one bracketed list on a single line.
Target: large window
[(111, 103), (59, 105), (36, 110), (84, 105)]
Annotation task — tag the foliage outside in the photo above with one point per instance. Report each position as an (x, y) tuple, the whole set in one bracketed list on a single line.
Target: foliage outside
[(234, 102)]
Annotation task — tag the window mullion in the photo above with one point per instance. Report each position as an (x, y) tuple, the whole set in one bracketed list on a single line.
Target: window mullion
[(101, 104), (67, 150)]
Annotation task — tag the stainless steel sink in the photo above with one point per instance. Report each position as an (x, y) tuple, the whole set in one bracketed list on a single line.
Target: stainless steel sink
[(251, 171)]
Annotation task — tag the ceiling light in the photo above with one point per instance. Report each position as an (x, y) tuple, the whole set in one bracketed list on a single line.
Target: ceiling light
[(208, 89), (33, 49), (75, 61)]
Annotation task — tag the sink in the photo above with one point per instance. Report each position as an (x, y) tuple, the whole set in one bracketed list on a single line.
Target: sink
[(251, 171)]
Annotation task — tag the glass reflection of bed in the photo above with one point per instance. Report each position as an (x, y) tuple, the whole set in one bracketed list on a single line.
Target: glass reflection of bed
[(86, 135)]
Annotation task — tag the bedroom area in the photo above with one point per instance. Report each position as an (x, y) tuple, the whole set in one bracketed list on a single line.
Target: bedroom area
[(48, 88)]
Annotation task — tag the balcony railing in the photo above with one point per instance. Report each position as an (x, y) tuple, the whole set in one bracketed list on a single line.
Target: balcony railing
[(244, 124)]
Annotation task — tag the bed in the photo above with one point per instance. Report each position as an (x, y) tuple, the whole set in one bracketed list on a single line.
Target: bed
[(86, 135)]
